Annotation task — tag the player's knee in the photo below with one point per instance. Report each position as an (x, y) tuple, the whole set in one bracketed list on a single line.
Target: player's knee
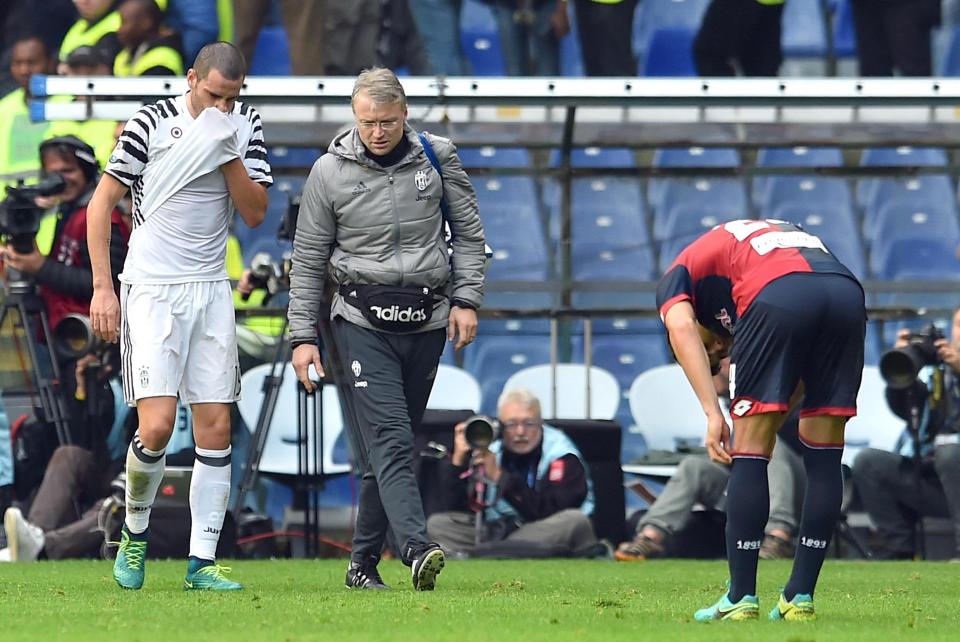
[(155, 432), (869, 461)]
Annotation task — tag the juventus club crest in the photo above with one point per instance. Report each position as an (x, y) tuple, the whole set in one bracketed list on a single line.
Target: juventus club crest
[(420, 180), (355, 366)]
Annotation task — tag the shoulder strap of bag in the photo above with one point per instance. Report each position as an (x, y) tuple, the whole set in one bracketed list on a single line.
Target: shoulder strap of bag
[(432, 157)]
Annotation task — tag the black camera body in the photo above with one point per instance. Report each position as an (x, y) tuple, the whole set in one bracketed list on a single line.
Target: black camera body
[(19, 215), (899, 367)]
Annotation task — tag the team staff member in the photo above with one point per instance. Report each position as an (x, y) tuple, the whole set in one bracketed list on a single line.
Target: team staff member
[(370, 217), (189, 161), (800, 321)]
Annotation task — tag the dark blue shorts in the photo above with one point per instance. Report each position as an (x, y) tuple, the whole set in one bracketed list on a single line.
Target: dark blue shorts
[(805, 326)]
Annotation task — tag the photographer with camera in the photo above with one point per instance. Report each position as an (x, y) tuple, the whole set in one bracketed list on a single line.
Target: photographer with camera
[(921, 479), (530, 482)]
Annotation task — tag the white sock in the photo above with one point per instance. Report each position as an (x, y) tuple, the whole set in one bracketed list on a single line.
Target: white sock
[(144, 472), (209, 495)]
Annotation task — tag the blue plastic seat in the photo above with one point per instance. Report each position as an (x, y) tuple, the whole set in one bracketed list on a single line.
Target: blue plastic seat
[(271, 57), (933, 221), (834, 223), (480, 39), (596, 157), (804, 30), (292, 157), (624, 355), (689, 207), (916, 259), (844, 35), (669, 249), (490, 156), (688, 157), (904, 155), (780, 190), (492, 359), (651, 15), (799, 156), (922, 191), (670, 53)]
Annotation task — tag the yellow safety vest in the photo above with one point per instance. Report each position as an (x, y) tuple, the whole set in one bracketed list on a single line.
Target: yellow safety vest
[(225, 18), (83, 33), (269, 326), (20, 139), (47, 232), (161, 56)]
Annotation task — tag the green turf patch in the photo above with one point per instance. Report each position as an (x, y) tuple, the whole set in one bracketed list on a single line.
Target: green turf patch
[(475, 602)]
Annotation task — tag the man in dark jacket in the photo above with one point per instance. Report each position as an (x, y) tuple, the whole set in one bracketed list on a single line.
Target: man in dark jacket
[(537, 491), (371, 218)]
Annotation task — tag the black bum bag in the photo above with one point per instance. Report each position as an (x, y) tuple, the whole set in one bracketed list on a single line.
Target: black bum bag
[(392, 308)]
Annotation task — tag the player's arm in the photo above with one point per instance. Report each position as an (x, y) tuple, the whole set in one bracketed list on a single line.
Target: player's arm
[(687, 344), (249, 196), (104, 307)]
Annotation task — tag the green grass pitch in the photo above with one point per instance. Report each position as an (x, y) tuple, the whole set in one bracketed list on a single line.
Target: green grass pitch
[(475, 601)]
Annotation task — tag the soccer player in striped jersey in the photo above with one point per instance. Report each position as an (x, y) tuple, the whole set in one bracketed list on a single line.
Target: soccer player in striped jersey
[(189, 162), (792, 319)]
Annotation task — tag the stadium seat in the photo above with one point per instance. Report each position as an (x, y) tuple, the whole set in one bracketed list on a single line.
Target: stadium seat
[(799, 156), (904, 155), (901, 219), (480, 39), (874, 426), (512, 224), (571, 59), (916, 259), (601, 207), (271, 57), (670, 53), (670, 248), (804, 30), (665, 409), (922, 192), (280, 454), (571, 388), (281, 157), (490, 156), (454, 389), (595, 260), (950, 63), (687, 157), (812, 190), (844, 35), (493, 358), (836, 226), (284, 188), (694, 207), (623, 355), (596, 157), (651, 15)]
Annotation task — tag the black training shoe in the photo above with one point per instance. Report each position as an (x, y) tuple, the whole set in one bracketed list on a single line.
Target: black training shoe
[(364, 575), (426, 565)]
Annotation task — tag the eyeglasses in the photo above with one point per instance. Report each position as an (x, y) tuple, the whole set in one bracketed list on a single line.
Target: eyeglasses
[(528, 424), (385, 125)]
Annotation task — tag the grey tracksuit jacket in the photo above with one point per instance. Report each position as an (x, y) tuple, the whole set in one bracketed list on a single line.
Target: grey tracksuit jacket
[(367, 224)]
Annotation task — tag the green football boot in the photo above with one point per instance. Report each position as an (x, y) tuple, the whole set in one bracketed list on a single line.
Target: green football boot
[(129, 567), (203, 575)]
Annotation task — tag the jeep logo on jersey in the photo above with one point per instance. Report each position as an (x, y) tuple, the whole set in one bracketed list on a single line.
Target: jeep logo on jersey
[(395, 313), (724, 318), (176, 132), (355, 366), (420, 180)]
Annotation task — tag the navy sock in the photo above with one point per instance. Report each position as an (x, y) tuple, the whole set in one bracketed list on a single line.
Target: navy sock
[(748, 505), (821, 508)]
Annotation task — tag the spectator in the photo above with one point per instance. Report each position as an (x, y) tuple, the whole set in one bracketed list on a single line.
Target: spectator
[(739, 35), (75, 478), (898, 488), (400, 45), (97, 27), (530, 33), (894, 35), (146, 50), (100, 134), (606, 27), (304, 22), (350, 39), (19, 136), (438, 22), (538, 492), (701, 481)]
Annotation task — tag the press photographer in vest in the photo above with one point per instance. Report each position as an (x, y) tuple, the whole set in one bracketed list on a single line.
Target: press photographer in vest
[(372, 218)]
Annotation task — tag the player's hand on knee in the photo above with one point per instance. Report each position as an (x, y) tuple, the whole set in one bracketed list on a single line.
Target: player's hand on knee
[(303, 357), (105, 314), (718, 439)]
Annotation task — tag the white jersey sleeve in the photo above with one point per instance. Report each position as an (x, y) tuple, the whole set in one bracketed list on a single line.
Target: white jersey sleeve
[(255, 155), (129, 157)]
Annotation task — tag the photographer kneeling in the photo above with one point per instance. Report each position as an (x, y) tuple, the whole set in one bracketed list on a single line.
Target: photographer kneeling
[(536, 492), (898, 488), (59, 261)]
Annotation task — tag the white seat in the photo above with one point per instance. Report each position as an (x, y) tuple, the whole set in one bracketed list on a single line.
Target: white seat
[(665, 408), (875, 425), (280, 452), (571, 390), (454, 389)]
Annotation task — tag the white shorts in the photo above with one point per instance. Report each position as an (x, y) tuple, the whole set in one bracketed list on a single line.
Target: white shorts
[(179, 339)]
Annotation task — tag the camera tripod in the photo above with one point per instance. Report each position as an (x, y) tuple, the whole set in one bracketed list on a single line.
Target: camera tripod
[(26, 314)]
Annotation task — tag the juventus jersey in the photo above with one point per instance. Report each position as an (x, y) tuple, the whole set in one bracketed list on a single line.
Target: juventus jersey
[(184, 238)]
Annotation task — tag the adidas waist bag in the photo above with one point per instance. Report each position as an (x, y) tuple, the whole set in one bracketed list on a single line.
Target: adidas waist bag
[(392, 308)]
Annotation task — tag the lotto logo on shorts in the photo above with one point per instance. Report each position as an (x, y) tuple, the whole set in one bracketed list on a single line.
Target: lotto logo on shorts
[(742, 407)]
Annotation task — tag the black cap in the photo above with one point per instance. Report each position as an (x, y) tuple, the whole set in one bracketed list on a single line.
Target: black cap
[(85, 56)]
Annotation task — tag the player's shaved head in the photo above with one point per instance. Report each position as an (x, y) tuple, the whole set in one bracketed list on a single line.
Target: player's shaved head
[(222, 56)]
